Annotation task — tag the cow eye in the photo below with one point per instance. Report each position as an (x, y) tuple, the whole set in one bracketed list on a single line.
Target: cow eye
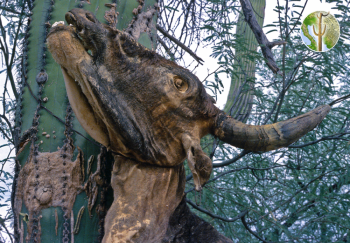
[(180, 84)]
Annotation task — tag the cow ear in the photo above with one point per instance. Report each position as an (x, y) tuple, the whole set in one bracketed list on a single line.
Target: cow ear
[(199, 163)]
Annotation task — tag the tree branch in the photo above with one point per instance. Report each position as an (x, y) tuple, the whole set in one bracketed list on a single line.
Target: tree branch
[(287, 83), (173, 39), (344, 180), (252, 232), (294, 195), (189, 177), (11, 10), (242, 214), (296, 22), (172, 57), (8, 156), (6, 55), (339, 100), (4, 133), (2, 222), (331, 137), (242, 168), (260, 36), (230, 161)]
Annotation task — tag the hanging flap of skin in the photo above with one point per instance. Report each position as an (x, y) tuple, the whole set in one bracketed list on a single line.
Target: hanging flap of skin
[(199, 163), (74, 57), (83, 111)]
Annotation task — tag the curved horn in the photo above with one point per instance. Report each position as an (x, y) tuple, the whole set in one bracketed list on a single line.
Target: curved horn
[(267, 137)]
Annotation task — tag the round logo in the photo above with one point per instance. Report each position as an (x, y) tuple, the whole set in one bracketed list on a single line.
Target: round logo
[(320, 31)]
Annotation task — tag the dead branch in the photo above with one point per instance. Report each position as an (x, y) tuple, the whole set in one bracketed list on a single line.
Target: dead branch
[(12, 11), (173, 39), (230, 161), (330, 137), (296, 22), (265, 44), (252, 232), (339, 100), (242, 214), (167, 49)]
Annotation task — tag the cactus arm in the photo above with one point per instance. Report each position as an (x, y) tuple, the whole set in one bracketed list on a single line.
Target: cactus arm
[(243, 103), (324, 15), (313, 28), (324, 31)]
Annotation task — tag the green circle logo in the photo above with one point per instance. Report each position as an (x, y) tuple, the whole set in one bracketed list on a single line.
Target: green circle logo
[(320, 31)]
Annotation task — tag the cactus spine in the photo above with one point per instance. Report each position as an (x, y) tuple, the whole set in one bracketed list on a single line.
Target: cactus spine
[(320, 33), (45, 121)]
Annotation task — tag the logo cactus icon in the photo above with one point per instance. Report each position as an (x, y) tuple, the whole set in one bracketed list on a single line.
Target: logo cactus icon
[(319, 42), (320, 31)]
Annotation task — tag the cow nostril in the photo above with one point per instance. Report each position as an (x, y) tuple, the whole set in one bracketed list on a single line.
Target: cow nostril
[(90, 17), (70, 18)]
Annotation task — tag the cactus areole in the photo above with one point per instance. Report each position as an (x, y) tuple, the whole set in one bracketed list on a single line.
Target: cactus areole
[(152, 113)]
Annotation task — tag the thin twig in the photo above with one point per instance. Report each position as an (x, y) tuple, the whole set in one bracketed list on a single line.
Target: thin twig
[(6, 54), (301, 13), (294, 195), (242, 214), (339, 100), (242, 168), (8, 156), (11, 10), (229, 172), (209, 74), (331, 137), (173, 39), (230, 161), (172, 57), (10, 128), (252, 232), (288, 82)]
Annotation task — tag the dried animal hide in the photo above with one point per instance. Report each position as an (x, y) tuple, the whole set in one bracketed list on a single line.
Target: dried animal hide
[(49, 180), (153, 113), (145, 197)]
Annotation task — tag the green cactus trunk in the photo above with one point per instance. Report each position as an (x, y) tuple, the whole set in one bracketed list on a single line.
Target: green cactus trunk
[(46, 127), (240, 98)]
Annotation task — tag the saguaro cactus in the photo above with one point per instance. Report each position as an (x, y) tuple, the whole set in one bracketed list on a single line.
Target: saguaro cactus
[(320, 33), (50, 190), (240, 98)]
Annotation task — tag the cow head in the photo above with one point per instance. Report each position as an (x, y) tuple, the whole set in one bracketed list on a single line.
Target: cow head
[(145, 107)]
